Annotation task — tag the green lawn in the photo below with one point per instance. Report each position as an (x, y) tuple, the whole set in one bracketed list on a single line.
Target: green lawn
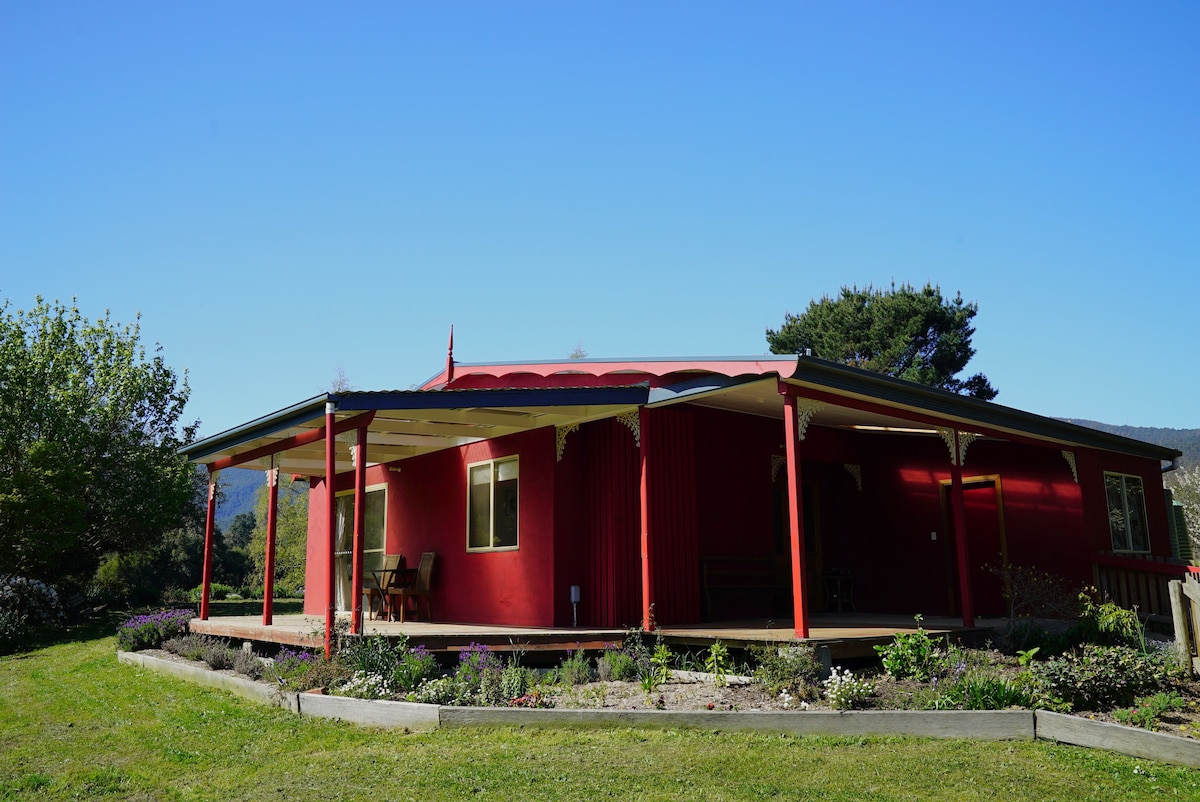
[(74, 723)]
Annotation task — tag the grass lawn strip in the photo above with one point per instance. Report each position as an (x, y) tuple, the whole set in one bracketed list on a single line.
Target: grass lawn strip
[(75, 723)]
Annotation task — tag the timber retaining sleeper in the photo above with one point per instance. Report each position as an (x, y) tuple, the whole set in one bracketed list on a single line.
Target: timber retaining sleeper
[(978, 724)]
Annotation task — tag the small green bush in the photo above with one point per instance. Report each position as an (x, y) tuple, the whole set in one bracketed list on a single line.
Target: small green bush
[(575, 669), (794, 669), (915, 655), (1148, 709), (616, 665)]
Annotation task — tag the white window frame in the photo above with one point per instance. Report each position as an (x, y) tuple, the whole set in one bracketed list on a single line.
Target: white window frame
[(493, 465), (1123, 541)]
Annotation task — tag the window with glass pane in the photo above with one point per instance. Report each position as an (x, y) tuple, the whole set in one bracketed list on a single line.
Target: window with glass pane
[(1126, 512), (492, 504)]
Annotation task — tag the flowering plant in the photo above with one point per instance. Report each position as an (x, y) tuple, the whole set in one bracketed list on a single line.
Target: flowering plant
[(149, 631), (846, 691)]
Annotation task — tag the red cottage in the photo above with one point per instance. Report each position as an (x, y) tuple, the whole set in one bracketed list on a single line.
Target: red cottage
[(676, 491)]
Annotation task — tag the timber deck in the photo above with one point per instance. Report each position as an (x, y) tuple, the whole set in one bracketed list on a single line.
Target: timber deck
[(848, 635)]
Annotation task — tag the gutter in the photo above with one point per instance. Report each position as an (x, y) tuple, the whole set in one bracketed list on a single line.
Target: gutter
[(1174, 466)]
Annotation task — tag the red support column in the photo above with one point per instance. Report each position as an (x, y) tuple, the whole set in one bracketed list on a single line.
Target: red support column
[(272, 524), (795, 515), (209, 525), (360, 503), (330, 524), (647, 539), (960, 533)]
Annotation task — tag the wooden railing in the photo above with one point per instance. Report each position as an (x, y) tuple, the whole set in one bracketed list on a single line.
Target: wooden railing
[(1141, 582), (1185, 610)]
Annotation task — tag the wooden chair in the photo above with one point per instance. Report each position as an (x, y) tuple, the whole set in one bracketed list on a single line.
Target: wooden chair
[(417, 591), (375, 586)]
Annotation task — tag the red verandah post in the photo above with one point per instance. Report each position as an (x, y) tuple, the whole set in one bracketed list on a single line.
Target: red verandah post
[(647, 540), (960, 533), (795, 515), (209, 522), (272, 524), (330, 523)]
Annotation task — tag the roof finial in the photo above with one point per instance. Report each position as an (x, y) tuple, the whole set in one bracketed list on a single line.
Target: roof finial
[(450, 357)]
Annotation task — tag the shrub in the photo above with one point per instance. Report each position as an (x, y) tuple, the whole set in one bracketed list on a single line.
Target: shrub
[(1108, 624), (477, 677), (1097, 677), (515, 682), (149, 631), (616, 664), (794, 669), (27, 607), (414, 667), (575, 669), (189, 647), (371, 654), (216, 592), (916, 655), (247, 663), (217, 654)]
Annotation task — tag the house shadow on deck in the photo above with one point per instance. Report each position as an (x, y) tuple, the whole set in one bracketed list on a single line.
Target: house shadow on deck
[(847, 635)]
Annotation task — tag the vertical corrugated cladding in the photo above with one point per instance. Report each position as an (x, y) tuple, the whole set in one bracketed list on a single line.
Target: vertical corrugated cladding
[(673, 520), (609, 523)]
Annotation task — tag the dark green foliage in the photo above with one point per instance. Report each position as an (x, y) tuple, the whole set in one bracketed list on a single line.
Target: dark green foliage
[(1098, 677), (904, 332), (89, 441), (915, 655), (28, 610)]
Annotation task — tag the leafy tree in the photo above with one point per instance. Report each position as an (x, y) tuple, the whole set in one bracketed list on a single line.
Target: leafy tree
[(291, 537), (904, 332), (89, 441), (241, 529)]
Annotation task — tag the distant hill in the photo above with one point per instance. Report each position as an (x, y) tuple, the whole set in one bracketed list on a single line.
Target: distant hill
[(239, 486), (1186, 440)]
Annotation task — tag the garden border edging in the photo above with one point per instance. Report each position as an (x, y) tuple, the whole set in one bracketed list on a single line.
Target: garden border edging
[(973, 724)]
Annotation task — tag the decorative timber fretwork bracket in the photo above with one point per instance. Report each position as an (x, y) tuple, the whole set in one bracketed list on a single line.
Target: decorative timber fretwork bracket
[(777, 462), (964, 440), (560, 439), (856, 472), (633, 422), (350, 440), (1069, 456), (805, 409)]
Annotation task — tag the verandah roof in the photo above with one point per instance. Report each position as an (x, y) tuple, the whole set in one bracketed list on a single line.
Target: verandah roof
[(414, 422)]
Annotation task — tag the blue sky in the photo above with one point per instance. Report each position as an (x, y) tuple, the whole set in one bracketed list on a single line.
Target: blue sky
[(283, 189)]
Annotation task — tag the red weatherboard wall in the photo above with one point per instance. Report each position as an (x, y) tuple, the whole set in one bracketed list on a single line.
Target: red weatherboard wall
[(427, 511)]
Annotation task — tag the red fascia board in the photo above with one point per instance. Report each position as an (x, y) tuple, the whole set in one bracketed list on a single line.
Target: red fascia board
[(302, 439)]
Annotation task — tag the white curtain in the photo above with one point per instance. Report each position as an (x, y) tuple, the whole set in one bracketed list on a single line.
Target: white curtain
[(343, 554)]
